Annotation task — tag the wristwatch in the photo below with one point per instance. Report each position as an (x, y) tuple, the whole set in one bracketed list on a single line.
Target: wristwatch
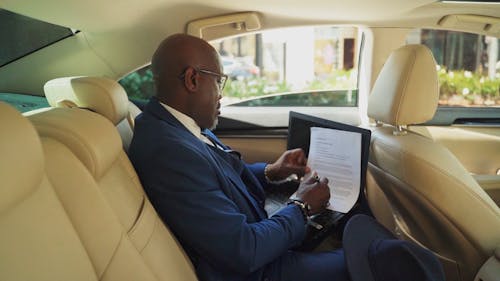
[(304, 207)]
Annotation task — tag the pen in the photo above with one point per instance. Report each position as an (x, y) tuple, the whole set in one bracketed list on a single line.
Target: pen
[(314, 224)]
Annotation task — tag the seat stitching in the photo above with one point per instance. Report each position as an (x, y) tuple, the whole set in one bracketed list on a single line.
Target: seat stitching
[(155, 226), (69, 133), (112, 255), (139, 217)]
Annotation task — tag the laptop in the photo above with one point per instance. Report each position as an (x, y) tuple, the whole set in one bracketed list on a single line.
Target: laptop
[(299, 136)]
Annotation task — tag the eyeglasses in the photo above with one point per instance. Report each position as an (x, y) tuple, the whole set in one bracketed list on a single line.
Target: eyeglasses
[(221, 78)]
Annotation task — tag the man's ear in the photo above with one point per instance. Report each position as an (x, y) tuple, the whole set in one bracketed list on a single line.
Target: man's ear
[(191, 79)]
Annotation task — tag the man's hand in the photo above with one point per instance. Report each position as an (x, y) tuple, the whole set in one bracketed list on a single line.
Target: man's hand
[(314, 191), (290, 162)]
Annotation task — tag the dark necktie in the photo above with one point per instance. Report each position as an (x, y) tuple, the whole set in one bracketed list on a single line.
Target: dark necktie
[(221, 146)]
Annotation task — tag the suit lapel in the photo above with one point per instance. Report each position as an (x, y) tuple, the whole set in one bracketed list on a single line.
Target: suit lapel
[(255, 187), (155, 108), (230, 173)]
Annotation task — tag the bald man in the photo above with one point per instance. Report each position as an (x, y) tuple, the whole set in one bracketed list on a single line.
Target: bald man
[(210, 198)]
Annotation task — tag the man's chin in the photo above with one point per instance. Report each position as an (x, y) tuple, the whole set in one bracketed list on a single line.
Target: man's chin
[(214, 125)]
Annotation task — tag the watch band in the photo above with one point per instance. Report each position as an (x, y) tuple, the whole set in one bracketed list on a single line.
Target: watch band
[(304, 207)]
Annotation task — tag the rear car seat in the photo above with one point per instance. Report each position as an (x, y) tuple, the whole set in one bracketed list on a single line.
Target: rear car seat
[(95, 142), (54, 223), (101, 95)]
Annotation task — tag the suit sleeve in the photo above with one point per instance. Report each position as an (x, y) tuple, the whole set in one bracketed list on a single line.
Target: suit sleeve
[(258, 170), (187, 194)]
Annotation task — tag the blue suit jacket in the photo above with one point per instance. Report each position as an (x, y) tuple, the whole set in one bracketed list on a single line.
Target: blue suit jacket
[(212, 202)]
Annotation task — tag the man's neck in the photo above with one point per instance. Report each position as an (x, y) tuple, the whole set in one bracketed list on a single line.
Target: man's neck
[(187, 122)]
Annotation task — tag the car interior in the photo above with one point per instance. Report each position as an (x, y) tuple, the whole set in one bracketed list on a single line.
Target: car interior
[(423, 76)]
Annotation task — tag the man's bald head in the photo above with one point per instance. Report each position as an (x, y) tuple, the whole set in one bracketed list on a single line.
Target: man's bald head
[(188, 77), (174, 55)]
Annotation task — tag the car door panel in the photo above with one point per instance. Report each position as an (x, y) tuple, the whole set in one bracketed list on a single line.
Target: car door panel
[(260, 133), (256, 148)]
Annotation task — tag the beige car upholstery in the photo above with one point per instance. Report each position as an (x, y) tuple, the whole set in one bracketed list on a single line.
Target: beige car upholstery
[(477, 148), (432, 198), (491, 185), (97, 145), (37, 239), (98, 94), (54, 223)]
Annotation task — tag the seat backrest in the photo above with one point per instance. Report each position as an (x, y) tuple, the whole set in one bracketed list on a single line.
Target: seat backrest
[(37, 239), (55, 224), (97, 145), (98, 94), (433, 200)]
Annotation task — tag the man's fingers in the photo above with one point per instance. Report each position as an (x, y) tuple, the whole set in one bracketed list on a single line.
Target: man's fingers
[(307, 170), (296, 150), (310, 178), (296, 157), (315, 178), (299, 170), (302, 160), (324, 181)]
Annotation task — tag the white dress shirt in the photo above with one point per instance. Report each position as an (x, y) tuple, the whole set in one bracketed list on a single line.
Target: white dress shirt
[(188, 122)]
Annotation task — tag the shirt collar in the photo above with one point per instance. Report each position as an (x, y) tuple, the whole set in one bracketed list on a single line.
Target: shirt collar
[(187, 122)]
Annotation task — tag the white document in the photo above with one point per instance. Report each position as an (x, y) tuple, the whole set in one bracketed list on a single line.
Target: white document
[(336, 155)]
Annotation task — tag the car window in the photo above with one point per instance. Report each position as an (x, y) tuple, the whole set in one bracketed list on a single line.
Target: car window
[(21, 35), (24, 103), (468, 67), (288, 67), (139, 85), (307, 66), (337, 98), (307, 69)]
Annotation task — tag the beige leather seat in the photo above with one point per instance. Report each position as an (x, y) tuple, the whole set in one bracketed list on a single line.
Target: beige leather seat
[(97, 145), (37, 239), (101, 95), (431, 197), (54, 224)]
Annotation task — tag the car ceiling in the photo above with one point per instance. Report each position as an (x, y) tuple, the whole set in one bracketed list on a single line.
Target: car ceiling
[(117, 37), (105, 16)]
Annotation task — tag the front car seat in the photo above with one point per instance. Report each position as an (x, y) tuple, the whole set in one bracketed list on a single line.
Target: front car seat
[(433, 200)]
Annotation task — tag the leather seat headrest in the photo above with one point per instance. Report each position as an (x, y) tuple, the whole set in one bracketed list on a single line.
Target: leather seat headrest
[(91, 137), (101, 95), (22, 163), (406, 90)]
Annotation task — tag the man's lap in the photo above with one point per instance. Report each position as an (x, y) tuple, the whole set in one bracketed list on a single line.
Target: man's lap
[(299, 266)]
